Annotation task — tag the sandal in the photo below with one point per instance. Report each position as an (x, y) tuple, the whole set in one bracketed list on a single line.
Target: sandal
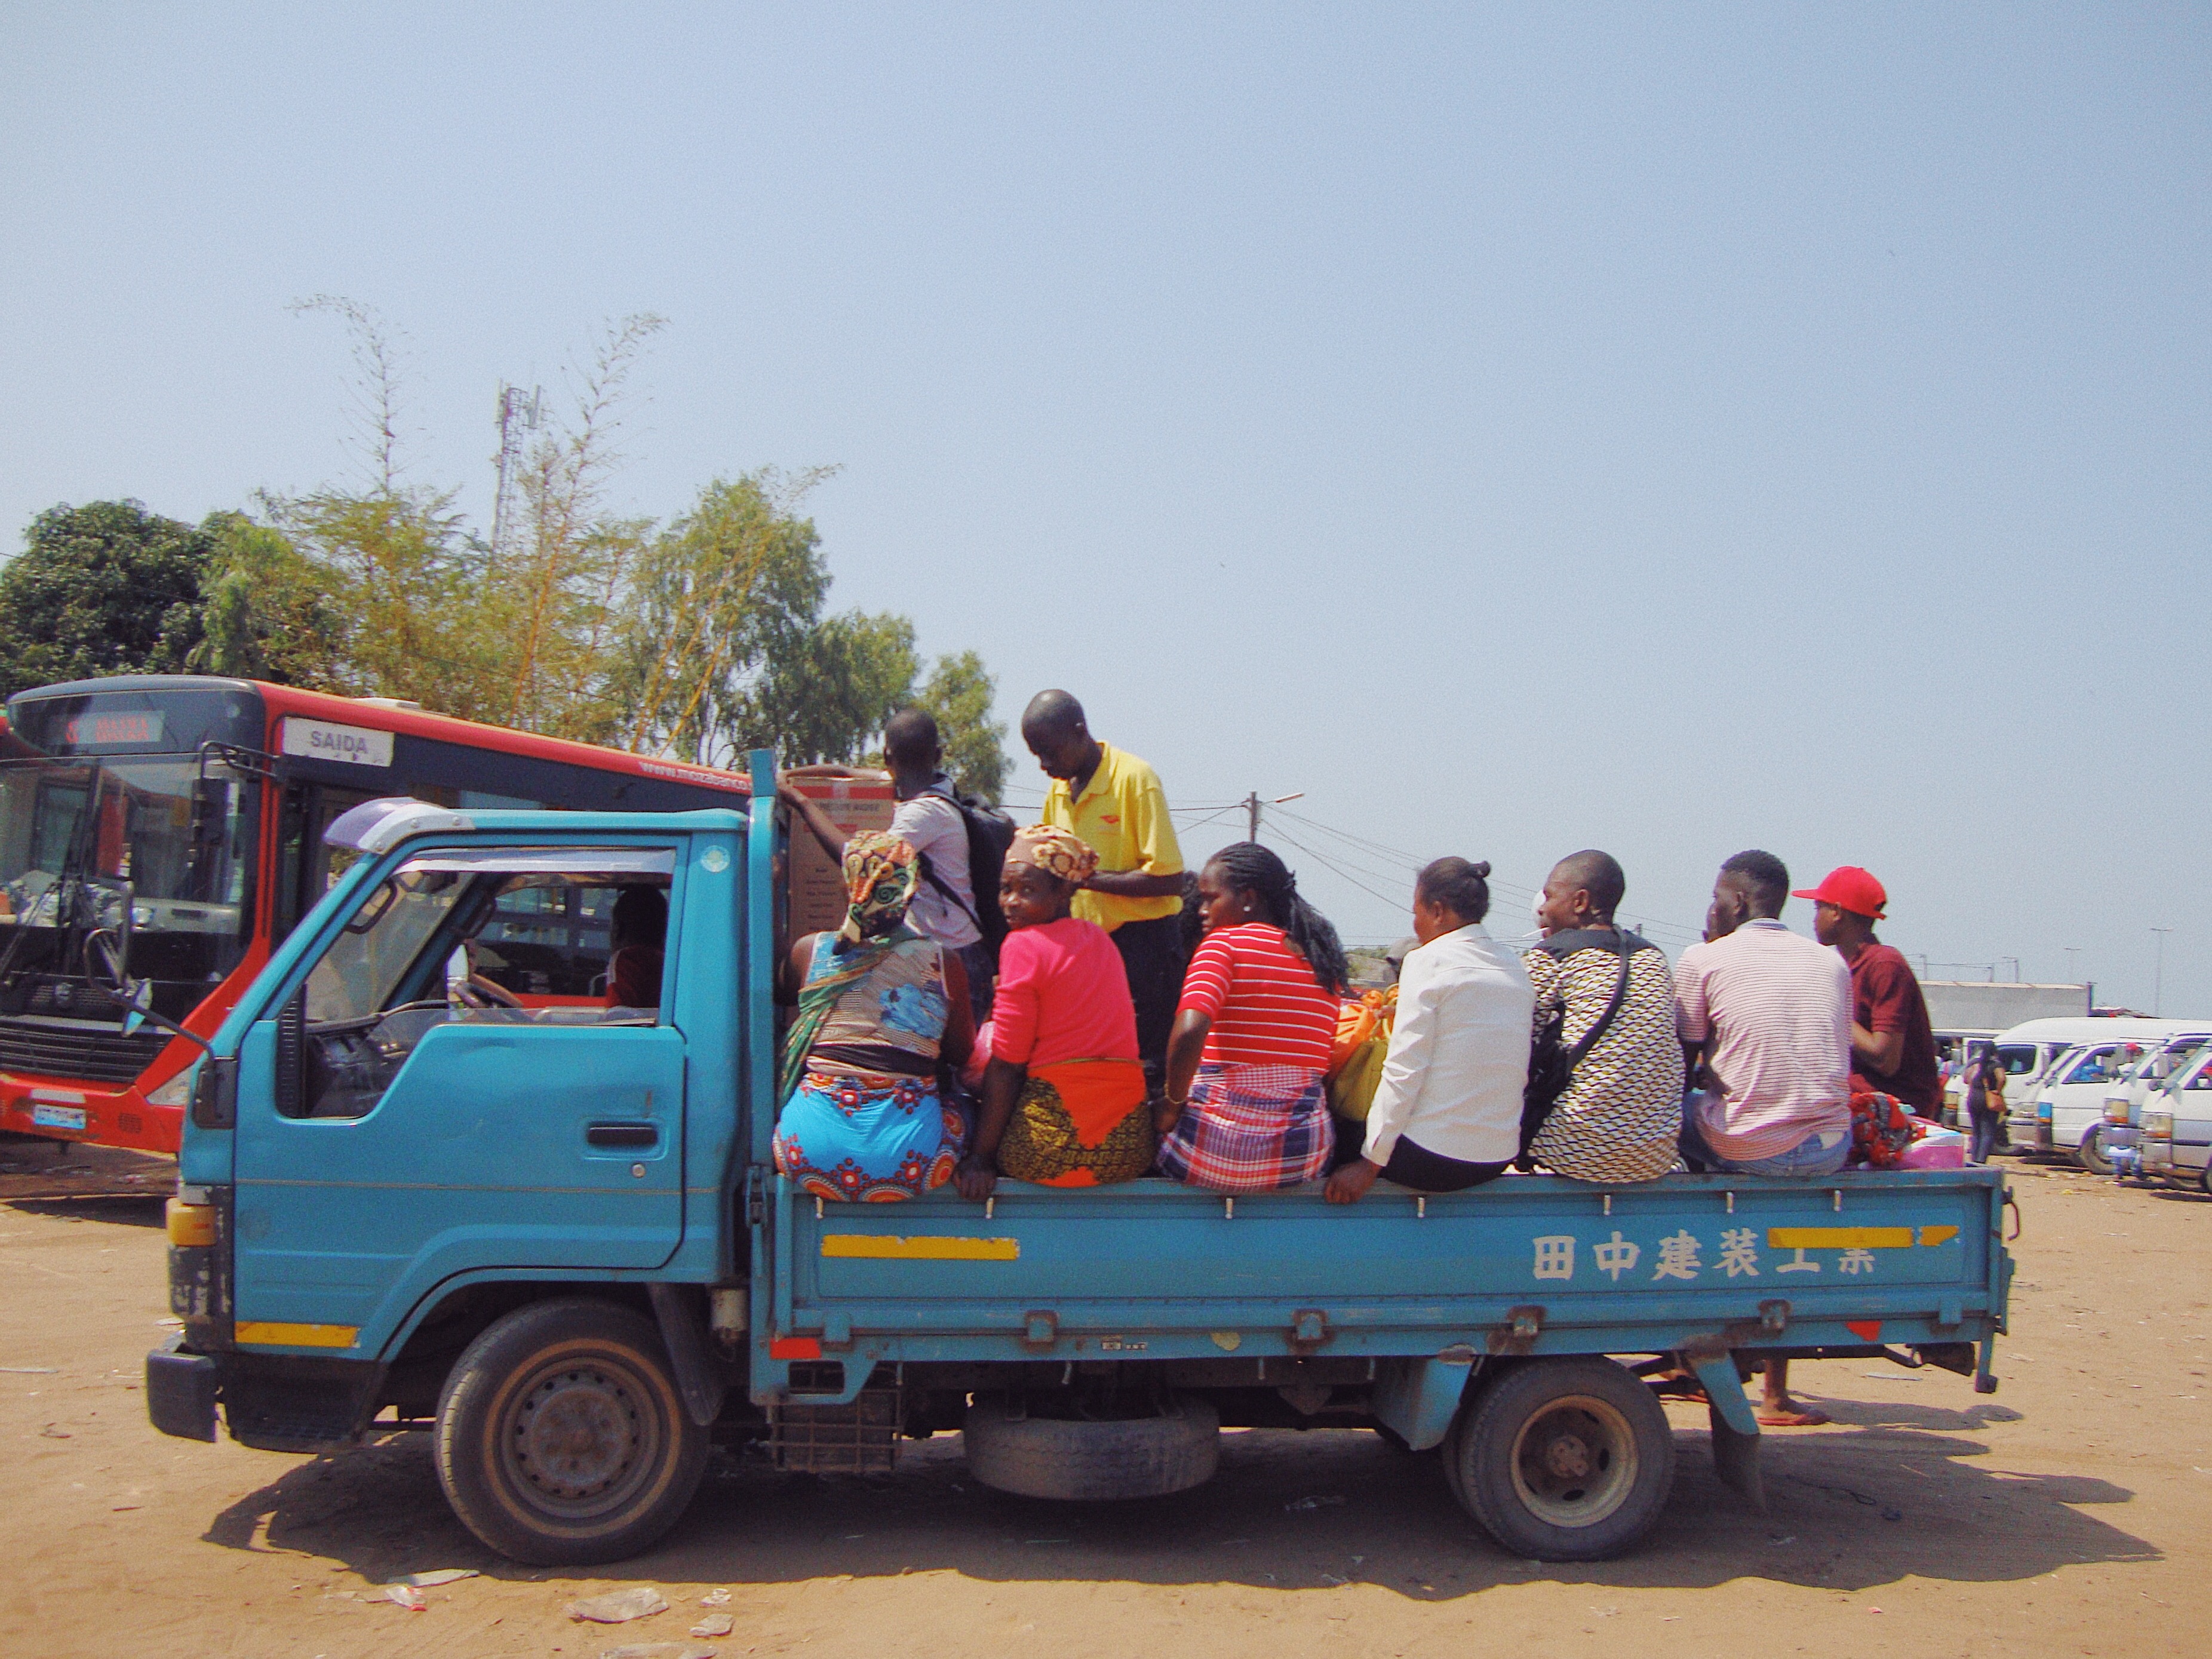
[(1804, 1417)]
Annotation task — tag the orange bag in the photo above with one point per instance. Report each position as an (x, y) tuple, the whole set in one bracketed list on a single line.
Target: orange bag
[(1355, 1057)]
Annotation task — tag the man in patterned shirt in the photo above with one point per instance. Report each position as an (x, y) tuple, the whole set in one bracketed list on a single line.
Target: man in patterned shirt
[(1621, 1114)]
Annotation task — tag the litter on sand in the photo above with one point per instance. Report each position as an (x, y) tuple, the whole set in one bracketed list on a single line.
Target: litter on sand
[(407, 1597), (618, 1606), (716, 1598), (714, 1624), (658, 1650), (436, 1576)]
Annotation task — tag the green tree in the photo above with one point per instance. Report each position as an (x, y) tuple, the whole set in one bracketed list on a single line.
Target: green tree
[(555, 592), (959, 694), (271, 612), (722, 594), (105, 588), (827, 698)]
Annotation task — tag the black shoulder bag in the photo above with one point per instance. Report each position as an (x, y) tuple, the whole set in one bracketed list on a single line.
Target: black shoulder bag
[(1551, 1064)]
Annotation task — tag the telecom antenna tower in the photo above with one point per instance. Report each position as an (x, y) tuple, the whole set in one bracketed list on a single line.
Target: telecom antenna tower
[(516, 414)]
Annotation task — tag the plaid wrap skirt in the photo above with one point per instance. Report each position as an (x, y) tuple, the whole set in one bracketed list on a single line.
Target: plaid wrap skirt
[(1250, 1130)]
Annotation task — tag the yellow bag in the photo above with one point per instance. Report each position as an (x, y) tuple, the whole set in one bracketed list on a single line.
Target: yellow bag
[(1363, 1042)]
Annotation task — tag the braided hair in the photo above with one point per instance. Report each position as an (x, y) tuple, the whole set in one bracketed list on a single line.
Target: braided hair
[(1248, 864)]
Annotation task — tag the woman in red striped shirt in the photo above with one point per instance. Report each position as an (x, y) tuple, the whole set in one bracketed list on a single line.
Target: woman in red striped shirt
[(1244, 1110)]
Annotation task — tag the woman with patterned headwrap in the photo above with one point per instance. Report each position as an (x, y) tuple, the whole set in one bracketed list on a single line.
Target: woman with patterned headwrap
[(1064, 1096), (878, 1007)]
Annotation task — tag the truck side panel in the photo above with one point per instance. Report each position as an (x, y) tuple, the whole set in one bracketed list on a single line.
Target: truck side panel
[(1528, 1265)]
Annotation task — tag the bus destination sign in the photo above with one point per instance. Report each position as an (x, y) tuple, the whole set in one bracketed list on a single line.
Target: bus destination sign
[(325, 740), (141, 728)]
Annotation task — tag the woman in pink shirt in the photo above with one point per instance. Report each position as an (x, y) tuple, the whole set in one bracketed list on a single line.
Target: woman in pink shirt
[(1064, 1098)]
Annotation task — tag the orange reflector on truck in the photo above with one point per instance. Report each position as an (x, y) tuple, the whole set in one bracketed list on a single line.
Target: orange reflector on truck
[(878, 1247), (1839, 1238), (273, 1334), (192, 1226)]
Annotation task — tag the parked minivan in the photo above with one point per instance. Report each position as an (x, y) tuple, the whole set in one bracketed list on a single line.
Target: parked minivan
[(2103, 1145), (2177, 1126), (2052, 1114)]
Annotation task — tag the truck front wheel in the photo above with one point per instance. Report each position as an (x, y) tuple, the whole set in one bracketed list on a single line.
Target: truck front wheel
[(562, 1438), (1563, 1460)]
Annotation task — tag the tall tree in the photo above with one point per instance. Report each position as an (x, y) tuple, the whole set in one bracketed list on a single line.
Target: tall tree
[(959, 694), (105, 588), (556, 594)]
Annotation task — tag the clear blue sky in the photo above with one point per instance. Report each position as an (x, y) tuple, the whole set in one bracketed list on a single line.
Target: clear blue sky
[(1668, 431)]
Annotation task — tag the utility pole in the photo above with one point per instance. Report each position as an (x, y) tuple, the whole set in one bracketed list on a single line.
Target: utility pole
[(2158, 991), (1252, 802)]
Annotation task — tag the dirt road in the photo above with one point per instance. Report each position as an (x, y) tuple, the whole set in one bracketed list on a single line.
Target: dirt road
[(2071, 1512)]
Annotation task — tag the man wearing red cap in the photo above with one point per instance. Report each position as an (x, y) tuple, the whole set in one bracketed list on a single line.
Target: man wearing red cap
[(1892, 1045)]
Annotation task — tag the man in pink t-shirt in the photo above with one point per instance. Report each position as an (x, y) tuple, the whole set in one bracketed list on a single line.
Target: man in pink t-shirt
[(1769, 1013)]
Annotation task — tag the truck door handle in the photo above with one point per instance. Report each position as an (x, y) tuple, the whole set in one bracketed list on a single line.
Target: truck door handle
[(621, 1135)]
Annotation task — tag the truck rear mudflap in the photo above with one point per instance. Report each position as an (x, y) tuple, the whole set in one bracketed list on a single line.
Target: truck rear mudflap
[(181, 1391)]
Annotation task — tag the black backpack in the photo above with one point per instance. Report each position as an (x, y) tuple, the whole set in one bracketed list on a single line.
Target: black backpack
[(990, 833)]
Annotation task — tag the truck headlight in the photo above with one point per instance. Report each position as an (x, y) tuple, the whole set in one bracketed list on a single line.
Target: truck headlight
[(2158, 1126), (177, 1091)]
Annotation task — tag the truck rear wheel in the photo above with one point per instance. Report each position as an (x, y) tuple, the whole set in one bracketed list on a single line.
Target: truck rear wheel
[(1563, 1460), (1094, 1461), (562, 1439)]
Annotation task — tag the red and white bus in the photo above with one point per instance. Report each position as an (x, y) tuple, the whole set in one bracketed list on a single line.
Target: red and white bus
[(170, 827)]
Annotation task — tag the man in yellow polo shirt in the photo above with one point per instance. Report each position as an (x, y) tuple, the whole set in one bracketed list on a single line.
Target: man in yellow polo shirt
[(1113, 802)]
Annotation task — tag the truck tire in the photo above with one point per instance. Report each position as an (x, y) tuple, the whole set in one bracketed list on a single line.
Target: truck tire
[(1137, 1457), (2090, 1154), (1563, 1460), (562, 1438)]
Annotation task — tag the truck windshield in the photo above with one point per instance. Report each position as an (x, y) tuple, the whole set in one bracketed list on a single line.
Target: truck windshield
[(76, 835), (362, 971)]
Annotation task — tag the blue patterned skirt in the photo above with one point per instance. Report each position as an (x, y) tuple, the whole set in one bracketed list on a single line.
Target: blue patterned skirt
[(868, 1137)]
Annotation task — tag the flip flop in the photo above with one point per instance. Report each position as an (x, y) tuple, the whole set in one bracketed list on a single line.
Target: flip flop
[(1805, 1417)]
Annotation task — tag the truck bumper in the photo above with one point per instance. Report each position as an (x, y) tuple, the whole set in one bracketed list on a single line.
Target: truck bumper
[(180, 1391)]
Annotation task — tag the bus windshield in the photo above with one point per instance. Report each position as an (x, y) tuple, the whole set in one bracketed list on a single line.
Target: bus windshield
[(170, 835)]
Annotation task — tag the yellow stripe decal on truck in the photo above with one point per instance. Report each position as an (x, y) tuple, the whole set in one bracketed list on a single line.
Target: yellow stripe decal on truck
[(1934, 1236), (266, 1333), (876, 1247), (1839, 1238)]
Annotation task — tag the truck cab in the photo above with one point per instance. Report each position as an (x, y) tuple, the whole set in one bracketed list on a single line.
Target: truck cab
[(555, 1236)]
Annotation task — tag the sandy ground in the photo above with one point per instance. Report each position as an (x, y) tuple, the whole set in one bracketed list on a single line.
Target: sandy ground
[(2066, 1514)]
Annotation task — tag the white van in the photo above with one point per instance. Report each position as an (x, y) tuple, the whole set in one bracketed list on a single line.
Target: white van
[(2124, 1102), (2054, 1114), (2030, 1053)]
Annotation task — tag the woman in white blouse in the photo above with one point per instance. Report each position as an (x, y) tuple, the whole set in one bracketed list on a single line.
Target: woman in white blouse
[(1447, 1112)]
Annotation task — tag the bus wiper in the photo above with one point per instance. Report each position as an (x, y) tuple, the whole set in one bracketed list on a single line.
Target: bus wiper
[(68, 889)]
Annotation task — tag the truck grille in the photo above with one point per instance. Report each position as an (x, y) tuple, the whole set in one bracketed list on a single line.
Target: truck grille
[(83, 1051)]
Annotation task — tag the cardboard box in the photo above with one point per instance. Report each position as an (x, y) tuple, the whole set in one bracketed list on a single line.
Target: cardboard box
[(814, 883)]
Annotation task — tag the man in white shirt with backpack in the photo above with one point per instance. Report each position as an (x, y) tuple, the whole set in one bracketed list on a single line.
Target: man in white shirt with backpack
[(930, 820)]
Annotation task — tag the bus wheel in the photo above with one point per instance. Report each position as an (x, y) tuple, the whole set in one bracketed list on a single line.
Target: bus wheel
[(562, 1439), (1563, 1460)]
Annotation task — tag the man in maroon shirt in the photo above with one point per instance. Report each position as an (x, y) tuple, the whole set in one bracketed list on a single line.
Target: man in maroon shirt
[(1893, 1047)]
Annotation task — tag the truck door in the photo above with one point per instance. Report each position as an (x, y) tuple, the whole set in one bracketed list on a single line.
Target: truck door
[(404, 1117)]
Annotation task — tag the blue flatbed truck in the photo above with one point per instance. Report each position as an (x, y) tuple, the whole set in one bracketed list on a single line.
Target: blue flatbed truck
[(555, 1237)]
